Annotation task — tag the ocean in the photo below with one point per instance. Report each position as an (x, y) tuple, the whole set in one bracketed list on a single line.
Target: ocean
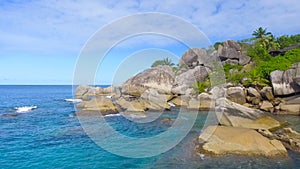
[(38, 129)]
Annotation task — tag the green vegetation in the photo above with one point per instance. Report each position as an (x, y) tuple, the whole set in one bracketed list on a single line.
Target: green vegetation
[(261, 33), (165, 61), (286, 41), (259, 53), (261, 44), (201, 86), (256, 73)]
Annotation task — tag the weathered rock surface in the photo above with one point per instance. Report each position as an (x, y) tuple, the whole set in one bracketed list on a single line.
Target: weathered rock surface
[(130, 106), (267, 106), (204, 101), (180, 101), (253, 96), (289, 137), (83, 92), (193, 57), (219, 140), (283, 81), (267, 93), (236, 94), (230, 53), (160, 78), (236, 115), (186, 79), (293, 109), (102, 104)]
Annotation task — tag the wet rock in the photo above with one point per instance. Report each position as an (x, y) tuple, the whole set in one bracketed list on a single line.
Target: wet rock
[(180, 101), (236, 115), (219, 140), (102, 104), (289, 137), (130, 106), (293, 109)]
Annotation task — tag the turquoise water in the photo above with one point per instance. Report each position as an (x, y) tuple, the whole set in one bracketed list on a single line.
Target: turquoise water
[(50, 137)]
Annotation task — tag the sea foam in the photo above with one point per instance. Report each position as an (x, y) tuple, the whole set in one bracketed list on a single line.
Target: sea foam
[(24, 109), (73, 100), (112, 115)]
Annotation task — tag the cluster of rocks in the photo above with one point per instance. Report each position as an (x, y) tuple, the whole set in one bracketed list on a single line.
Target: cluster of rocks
[(229, 52), (262, 99), (244, 113), (247, 131)]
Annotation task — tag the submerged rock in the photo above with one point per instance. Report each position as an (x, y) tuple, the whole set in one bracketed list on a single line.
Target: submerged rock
[(289, 137), (219, 140)]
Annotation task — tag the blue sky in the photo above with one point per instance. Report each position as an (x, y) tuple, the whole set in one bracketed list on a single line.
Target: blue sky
[(41, 40)]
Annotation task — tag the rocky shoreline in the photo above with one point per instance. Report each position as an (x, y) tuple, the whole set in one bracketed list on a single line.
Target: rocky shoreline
[(246, 125)]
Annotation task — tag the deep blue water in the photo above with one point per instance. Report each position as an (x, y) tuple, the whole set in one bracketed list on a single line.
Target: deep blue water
[(50, 137)]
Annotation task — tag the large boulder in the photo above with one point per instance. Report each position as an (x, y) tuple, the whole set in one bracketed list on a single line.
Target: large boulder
[(154, 100), (236, 115), (105, 91), (236, 94), (267, 93), (193, 57), (83, 92), (293, 109), (289, 137), (133, 106), (102, 104), (181, 101), (284, 83), (187, 79), (219, 140), (204, 101), (230, 53), (253, 96), (267, 106), (160, 78)]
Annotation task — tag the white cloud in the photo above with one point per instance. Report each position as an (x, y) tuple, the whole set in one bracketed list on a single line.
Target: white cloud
[(66, 25)]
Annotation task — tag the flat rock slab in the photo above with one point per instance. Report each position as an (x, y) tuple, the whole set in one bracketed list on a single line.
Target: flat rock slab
[(219, 140)]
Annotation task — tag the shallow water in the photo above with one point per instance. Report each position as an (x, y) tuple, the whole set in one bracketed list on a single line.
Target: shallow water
[(50, 137)]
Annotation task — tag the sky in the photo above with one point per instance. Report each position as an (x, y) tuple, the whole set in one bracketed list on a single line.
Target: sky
[(40, 41)]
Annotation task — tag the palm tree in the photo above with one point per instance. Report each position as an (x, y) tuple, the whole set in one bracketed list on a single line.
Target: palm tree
[(265, 39), (165, 61), (168, 62), (261, 33)]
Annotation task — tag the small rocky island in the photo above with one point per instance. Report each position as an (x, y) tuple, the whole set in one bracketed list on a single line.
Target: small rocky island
[(249, 104)]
